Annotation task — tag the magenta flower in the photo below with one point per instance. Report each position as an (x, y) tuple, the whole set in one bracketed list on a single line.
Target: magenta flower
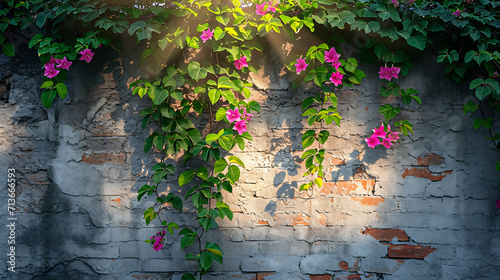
[(63, 63), (51, 61), (498, 204), (336, 78), (411, 2), (240, 63), (233, 115), (157, 246), (333, 57), (379, 132), (272, 8), (372, 141), (50, 70), (393, 136), (395, 3), (246, 116), (87, 55), (456, 13), (301, 65), (389, 72), (387, 143), (240, 126), (260, 9), (207, 35), (336, 64)]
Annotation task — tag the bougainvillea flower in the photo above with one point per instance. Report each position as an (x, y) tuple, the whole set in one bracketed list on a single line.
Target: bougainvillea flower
[(332, 56), (457, 13), (336, 78), (233, 115), (498, 204), (50, 71), (87, 55), (272, 8), (157, 246), (411, 2), (393, 136), (260, 9), (395, 3), (387, 143), (389, 72), (373, 141), (379, 132), (241, 62), (51, 61), (301, 65), (207, 35), (63, 63), (336, 64), (240, 126), (246, 116)]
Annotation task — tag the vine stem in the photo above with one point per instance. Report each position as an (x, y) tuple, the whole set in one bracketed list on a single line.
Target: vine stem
[(489, 129)]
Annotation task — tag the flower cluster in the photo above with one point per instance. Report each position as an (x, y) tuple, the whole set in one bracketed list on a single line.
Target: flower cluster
[(241, 62), (157, 240), (389, 72), (207, 35), (333, 57), (240, 120), (457, 13), (395, 3), (381, 136), (50, 67), (301, 65), (264, 7), (87, 55)]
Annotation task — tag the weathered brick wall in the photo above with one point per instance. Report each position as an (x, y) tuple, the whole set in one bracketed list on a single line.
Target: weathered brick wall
[(422, 210)]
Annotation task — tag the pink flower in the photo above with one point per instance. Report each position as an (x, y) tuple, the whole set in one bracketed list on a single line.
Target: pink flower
[(387, 143), (389, 72), (411, 2), (240, 126), (63, 63), (272, 8), (372, 141), (233, 115), (393, 136), (87, 55), (336, 78), (158, 240), (240, 63), (51, 61), (395, 3), (498, 204), (260, 9), (50, 70), (246, 116), (379, 132), (301, 65), (456, 13), (333, 57), (207, 35), (157, 246)]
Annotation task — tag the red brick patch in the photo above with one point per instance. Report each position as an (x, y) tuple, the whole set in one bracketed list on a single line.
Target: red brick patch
[(387, 234), (402, 251), (260, 276), (430, 159), (321, 277), (262, 222), (354, 276), (300, 219), (344, 265), (368, 200), (100, 158), (347, 187), (425, 173)]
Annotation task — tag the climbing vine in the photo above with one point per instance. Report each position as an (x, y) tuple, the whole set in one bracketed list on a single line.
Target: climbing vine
[(199, 56)]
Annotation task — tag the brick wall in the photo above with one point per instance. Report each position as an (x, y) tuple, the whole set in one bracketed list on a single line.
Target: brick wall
[(422, 210)]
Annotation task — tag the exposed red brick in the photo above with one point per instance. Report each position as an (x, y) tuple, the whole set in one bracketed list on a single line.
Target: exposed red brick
[(117, 200), (262, 222), (321, 277), (430, 159), (387, 234), (368, 200), (300, 219), (402, 251), (100, 158), (344, 265), (346, 187), (367, 108), (321, 219), (354, 276), (425, 173), (260, 276)]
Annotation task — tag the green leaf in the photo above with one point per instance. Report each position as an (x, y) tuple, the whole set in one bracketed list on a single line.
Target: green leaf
[(482, 92), (215, 250), (487, 123), (418, 41), (323, 136), (475, 83), (497, 167), (233, 174), (158, 95), (319, 181), (224, 82), (470, 107), (187, 240), (235, 160), (221, 113), (211, 138), (196, 72), (47, 84), (202, 173), (8, 49), (308, 153), (206, 260), (219, 33), (214, 95), (188, 276), (149, 215), (254, 106), (48, 97), (62, 90), (388, 111), (186, 177), (226, 142), (310, 111), (35, 40), (220, 166)]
